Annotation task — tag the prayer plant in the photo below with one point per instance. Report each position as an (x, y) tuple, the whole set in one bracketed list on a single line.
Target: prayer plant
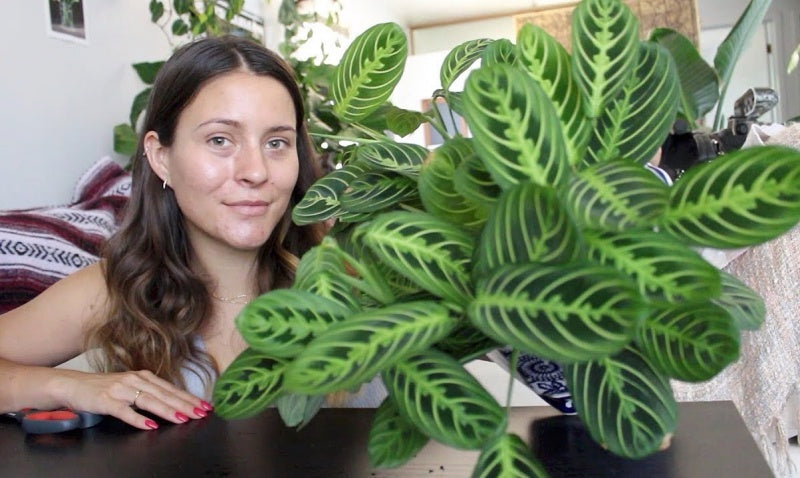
[(542, 231)]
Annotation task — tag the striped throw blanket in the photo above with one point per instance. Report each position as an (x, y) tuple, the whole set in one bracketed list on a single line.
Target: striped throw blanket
[(40, 246)]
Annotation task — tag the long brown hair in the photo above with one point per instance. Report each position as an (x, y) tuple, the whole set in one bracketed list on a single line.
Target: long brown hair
[(157, 299)]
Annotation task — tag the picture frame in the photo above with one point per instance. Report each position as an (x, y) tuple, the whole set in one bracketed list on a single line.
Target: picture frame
[(66, 20), (678, 15), (453, 122)]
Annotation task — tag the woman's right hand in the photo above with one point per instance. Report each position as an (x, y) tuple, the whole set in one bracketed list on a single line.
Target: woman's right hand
[(125, 394)]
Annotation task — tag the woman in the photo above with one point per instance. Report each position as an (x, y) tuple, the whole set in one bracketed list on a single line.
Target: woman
[(224, 157)]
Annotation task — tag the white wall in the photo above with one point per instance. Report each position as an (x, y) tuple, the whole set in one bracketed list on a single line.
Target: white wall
[(60, 100)]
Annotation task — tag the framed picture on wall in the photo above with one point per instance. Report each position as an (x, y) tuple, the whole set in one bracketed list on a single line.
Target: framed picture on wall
[(679, 15), (66, 20), (453, 123)]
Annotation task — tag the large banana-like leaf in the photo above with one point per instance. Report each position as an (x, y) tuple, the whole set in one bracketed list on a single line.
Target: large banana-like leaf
[(377, 191), (516, 129), (549, 63), (249, 384), (460, 58), (744, 305), (508, 457), (528, 224), (392, 440), (567, 313), (501, 50), (437, 187), (605, 41), (740, 199), (320, 271), (625, 403), (435, 393), (475, 184), (399, 158), (353, 351), (432, 253), (689, 342), (368, 71), (635, 122), (734, 44), (281, 322), (322, 200), (699, 82), (616, 195), (665, 269)]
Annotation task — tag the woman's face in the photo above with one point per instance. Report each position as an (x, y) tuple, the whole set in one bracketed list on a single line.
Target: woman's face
[(233, 163)]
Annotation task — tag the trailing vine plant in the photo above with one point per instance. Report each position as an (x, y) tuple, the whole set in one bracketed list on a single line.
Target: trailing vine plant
[(541, 231)]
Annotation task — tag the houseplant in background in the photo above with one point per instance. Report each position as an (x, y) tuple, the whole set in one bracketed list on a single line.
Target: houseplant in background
[(542, 231), (181, 21)]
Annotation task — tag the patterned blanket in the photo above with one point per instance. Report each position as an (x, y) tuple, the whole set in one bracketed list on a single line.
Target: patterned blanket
[(40, 246)]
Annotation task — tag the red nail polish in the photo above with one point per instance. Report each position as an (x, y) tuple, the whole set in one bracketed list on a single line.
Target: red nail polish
[(180, 416), (200, 413), (151, 424), (206, 405)]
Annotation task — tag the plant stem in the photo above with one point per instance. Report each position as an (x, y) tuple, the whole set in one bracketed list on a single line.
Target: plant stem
[(343, 138), (512, 366), (437, 122)]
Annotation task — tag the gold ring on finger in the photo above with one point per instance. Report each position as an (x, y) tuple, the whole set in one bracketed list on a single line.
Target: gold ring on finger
[(135, 397)]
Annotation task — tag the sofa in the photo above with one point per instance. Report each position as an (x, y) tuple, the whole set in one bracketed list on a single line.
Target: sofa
[(41, 245)]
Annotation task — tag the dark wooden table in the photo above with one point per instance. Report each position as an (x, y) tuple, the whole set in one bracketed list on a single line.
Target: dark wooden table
[(711, 441)]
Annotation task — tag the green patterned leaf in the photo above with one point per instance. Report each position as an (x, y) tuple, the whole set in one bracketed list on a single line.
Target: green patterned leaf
[(566, 313), (320, 271), (297, 410), (466, 343), (699, 90), (605, 40), (281, 322), (460, 58), (744, 305), (501, 50), (616, 195), (665, 269), (399, 158), (508, 457), (689, 342), (549, 64), (437, 187), (634, 123), (322, 200), (403, 122), (435, 393), (475, 184), (377, 191), (368, 71), (251, 382), (432, 253), (740, 199), (392, 439), (625, 403), (528, 224), (455, 101), (516, 129), (353, 351)]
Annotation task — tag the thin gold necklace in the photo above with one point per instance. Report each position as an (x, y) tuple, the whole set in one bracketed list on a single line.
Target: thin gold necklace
[(236, 299)]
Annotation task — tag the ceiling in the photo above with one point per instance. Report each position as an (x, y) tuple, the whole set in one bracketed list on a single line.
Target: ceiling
[(419, 13)]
